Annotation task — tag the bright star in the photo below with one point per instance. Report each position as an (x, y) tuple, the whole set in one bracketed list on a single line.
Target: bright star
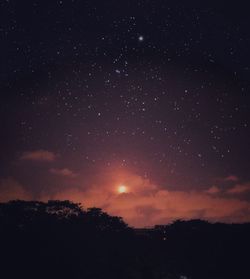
[(141, 38)]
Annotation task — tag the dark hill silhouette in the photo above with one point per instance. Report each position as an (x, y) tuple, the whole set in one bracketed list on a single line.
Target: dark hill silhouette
[(60, 239)]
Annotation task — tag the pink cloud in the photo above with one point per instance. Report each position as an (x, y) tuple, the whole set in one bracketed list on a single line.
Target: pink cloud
[(147, 204), (213, 190), (239, 189), (63, 172), (144, 203), (39, 155), (162, 206), (232, 178)]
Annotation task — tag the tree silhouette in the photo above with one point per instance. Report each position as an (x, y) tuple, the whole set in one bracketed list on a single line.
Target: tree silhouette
[(61, 239)]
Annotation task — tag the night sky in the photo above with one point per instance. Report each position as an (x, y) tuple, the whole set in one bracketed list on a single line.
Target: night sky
[(152, 96)]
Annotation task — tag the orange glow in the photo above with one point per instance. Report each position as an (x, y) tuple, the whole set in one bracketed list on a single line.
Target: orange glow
[(141, 202), (122, 189)]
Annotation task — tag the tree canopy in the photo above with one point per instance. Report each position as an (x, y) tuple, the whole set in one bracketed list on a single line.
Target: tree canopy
[(61, 239)]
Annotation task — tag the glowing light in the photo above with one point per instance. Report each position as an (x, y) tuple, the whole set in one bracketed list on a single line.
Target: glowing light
[(140, 38), (122, 189)]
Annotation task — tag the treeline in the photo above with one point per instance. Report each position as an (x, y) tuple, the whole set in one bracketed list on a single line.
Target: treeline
[(60, 239)]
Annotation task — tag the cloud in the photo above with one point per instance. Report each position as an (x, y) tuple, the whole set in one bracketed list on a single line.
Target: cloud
[(213, 190), (231, 178), (147, 204), (239, 189), (10, 189), (39, 155), (162, 206), (63, 172)]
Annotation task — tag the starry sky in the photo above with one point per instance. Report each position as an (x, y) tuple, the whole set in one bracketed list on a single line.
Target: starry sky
[(151, 95)]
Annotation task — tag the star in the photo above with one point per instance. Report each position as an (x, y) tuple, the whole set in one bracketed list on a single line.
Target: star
[(140, 38)]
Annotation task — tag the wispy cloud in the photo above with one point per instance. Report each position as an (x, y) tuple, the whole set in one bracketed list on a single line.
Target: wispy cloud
[(213, 190), (232, 178), (63, 172), (39, 155), (239, 189)]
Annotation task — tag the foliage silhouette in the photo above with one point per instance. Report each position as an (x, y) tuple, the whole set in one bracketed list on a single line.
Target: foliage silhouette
[(60, 239)]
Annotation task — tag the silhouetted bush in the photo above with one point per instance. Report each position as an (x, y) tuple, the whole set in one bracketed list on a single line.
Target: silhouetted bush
[(60, 239)]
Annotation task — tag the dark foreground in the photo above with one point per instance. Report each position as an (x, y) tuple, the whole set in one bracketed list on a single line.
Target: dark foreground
[(61, 240)]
